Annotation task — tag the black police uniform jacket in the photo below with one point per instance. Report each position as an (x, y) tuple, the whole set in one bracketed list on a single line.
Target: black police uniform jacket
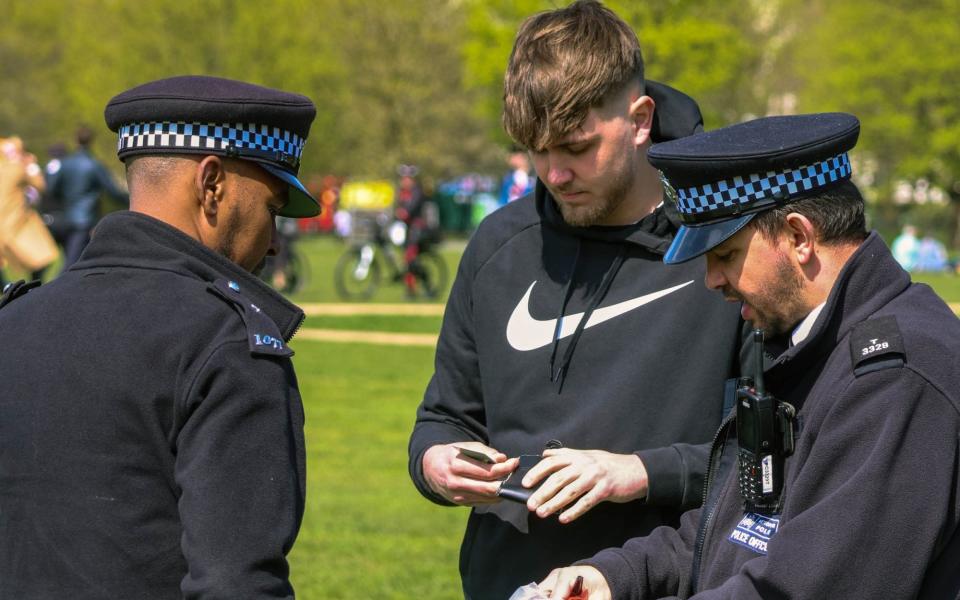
[(151, 430), (871, 500), (643, 376)]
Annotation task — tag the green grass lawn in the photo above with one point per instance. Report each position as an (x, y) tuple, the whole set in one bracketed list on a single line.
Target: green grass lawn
[(366, 531), (945, 284), (391, 323)]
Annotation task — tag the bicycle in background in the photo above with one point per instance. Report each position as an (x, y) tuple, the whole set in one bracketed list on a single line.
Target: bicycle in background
[(376, 255), (288, 272)]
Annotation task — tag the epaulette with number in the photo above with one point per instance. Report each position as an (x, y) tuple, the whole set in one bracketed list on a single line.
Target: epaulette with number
[(262, 333), (14, 290), (876, 344)]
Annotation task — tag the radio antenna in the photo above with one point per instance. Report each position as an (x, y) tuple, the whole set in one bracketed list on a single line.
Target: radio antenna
[(758, 373)]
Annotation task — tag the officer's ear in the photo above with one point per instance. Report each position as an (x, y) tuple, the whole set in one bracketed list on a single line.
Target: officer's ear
[(210, 183), (802, 237)]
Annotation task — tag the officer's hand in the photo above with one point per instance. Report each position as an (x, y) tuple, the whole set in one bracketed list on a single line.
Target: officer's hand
[(559, 583), (463, 480), (584, 478)]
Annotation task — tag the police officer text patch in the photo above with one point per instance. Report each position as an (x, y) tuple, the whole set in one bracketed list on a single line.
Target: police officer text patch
[(876, 344), (262, 333), (754, 532)]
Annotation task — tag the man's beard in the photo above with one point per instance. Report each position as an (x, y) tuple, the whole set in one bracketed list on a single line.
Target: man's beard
[(590, 214), (779, 306), (598, 212)]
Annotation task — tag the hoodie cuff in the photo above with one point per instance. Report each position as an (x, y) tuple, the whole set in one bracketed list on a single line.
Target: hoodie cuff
[(666, 476)]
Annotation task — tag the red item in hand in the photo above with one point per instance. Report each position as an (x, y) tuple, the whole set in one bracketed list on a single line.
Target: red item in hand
[(577, 592)]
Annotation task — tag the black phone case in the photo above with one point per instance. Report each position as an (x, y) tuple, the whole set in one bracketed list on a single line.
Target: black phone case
[(511, 488)]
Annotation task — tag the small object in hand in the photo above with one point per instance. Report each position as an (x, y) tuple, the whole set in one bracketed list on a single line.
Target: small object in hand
[(577, 592), (475, 455), (512, 487)]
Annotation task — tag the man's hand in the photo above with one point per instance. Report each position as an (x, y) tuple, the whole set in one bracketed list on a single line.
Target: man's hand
[(464, 480), (587, 477), (559, 583)]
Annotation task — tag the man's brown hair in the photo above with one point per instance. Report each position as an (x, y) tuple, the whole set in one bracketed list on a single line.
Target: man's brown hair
[(565, 62)]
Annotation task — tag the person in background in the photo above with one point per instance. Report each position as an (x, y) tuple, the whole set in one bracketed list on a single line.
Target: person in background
[(24, 240), (518, 182), (565, 336), (906, 246), (409, 209), (931, 255), (51, 204), (837, 475), (79, 182)]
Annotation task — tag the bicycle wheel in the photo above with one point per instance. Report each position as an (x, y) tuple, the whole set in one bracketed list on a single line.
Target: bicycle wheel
[(297, 272), (357, 273), (431, 272)]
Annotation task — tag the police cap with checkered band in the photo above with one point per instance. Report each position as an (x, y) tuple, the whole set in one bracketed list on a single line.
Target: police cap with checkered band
[(721, 179), (210, 115)]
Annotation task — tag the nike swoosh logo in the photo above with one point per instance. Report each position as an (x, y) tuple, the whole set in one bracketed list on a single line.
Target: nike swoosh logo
[(526, 333)]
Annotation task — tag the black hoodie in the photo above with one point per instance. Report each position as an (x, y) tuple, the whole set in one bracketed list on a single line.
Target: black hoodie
[(151, 430), (646, 376)]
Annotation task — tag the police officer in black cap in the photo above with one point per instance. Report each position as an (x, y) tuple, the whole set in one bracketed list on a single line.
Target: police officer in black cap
[(151, 429), (836, 474)]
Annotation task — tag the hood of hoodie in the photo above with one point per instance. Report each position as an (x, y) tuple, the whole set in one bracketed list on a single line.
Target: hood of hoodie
[(653, 232)]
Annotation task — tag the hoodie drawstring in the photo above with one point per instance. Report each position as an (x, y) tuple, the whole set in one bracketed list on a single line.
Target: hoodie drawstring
[(563, 307), (561, 373)]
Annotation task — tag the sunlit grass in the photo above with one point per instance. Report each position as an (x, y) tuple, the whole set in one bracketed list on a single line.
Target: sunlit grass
[(366, 531)]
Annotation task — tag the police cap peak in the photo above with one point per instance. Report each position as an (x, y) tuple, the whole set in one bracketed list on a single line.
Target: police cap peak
[(197, 114), (722, 178)]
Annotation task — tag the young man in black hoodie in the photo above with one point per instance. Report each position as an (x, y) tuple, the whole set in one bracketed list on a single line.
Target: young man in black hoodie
[(151, 430), (565, 334), (837, 475)]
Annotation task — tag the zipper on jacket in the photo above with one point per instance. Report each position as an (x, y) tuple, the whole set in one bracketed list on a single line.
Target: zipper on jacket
[(303, 317), (709, 510)]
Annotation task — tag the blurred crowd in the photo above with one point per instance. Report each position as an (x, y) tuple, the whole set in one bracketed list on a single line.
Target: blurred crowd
[(43, 209), (917, 253)]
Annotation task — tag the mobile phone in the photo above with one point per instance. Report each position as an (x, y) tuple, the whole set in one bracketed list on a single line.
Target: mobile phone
[(476, 455)]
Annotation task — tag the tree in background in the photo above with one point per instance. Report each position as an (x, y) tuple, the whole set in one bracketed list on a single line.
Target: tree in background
[(422, 81), (896, 65)]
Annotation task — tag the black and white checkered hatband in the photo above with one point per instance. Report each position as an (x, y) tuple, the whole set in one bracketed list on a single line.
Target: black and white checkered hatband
[(747, 194), (243, 140)]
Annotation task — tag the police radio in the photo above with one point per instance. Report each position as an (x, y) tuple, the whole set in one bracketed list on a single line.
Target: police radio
[(765, 439)]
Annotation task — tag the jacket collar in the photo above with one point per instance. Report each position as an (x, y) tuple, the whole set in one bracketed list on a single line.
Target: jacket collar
[(870, 279), (131, 239)]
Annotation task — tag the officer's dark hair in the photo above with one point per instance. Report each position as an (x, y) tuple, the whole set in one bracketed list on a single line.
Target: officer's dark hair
[(837, 213), (151, 170)]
